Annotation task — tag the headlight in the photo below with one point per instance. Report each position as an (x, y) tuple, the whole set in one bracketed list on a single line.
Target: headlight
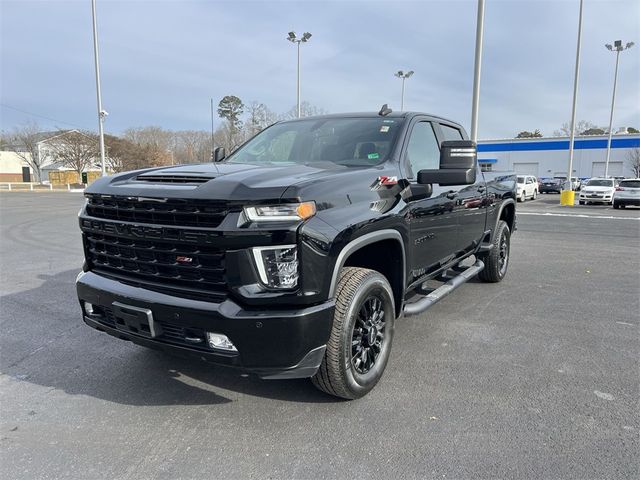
[(277, 266), (281, 213)]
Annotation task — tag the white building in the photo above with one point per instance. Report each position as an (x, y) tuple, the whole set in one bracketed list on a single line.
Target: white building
[(549, 157)]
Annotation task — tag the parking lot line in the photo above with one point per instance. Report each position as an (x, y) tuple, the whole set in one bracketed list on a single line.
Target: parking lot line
[(578, 215)]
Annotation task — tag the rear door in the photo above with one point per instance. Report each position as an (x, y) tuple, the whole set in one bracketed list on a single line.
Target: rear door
[(432, 223), (470, 208)]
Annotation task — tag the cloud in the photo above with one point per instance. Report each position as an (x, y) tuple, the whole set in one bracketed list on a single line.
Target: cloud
[(162, 60)]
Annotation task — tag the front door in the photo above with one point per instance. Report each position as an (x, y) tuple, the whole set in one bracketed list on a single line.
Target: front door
[(433, 226), (26, 174)]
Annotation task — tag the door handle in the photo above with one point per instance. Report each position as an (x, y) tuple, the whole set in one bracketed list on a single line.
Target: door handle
[(451, 195), (482, 188)]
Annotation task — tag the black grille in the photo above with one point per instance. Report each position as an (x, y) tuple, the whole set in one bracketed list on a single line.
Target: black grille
[(192, 337), (193, 271), (158, 211)]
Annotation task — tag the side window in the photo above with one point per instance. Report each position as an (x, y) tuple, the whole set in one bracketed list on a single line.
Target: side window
[(450, 133), (423, 151)]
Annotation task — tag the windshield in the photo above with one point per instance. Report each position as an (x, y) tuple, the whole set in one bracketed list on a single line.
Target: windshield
[(322, 143), (520, 179), (630, 183), (600, 183)]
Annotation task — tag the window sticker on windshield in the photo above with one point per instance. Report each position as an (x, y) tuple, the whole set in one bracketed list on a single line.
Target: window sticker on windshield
[(373, 156), (384, 128)]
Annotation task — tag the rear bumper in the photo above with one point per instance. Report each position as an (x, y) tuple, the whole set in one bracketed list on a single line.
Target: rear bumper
[(271, 343), (627, 201)]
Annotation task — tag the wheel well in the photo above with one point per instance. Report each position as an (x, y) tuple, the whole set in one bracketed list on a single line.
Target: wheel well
[(385, 257), (508, 214)]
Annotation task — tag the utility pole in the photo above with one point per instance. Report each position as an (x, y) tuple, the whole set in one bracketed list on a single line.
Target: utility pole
[(294, 39), (576, 77), (403, 76), (475, 103), (617, 47), (101, 113)]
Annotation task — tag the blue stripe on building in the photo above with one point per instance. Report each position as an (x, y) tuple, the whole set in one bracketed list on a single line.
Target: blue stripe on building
[(558, 145)]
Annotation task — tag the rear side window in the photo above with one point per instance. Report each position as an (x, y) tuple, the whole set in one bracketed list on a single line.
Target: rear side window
[(630, 183), (423, 151), (450, 133)]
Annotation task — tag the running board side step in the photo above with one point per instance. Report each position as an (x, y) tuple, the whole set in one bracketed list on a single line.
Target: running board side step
[(444, 290)]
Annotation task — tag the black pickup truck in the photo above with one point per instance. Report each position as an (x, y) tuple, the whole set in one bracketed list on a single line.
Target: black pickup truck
[(294, 256)]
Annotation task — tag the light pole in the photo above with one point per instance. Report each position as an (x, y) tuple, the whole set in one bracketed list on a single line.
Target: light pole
[(475, 102), (576, 76), (403, 76), (101, 113), (617, 47), (293, 39)]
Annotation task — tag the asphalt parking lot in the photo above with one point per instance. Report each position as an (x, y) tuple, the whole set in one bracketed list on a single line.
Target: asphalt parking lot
[(536, 377)]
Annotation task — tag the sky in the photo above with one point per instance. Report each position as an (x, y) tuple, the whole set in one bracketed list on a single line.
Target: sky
[(161, 61)]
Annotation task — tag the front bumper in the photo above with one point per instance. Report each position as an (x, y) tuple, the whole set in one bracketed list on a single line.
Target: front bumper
[(274, 343), (600, 198)]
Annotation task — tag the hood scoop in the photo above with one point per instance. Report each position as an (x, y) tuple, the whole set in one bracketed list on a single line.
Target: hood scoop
[(183, 179)]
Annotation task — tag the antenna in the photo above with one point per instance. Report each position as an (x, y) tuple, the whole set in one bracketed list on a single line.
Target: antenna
[(385, 110)]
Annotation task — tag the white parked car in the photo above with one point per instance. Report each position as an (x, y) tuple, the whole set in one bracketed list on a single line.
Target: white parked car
[(598, 190), (527, 187), (627, 193)]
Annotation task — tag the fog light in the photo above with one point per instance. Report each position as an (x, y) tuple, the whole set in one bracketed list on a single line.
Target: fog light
[(220, 342), (277, 267), (88, 308)]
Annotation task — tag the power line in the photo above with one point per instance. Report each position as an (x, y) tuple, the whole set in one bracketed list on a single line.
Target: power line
[(38, 115)]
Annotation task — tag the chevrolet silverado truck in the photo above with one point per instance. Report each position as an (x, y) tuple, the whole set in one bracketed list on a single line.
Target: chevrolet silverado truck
[(293, 256)]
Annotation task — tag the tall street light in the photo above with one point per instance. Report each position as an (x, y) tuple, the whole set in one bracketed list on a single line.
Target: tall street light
[(294, 39), (403, 76), (101, 113), (475, 101), (617, 47)]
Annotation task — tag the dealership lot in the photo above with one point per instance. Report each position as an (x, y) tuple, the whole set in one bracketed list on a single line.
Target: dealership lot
[(536, 377)]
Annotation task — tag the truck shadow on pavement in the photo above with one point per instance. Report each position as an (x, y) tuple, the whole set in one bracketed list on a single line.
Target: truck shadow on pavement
[(45, 342)]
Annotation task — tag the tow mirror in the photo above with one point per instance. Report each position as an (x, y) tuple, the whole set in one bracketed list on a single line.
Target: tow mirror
[(458, 164), (219, 154)]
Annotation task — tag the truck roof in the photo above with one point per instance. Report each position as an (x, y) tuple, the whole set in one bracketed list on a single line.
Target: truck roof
[(375, 115)]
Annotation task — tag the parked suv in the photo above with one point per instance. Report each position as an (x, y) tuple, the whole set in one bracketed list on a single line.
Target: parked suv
[(627, 193), (527, 187), (598, 190), (551, 185), (294, 256)]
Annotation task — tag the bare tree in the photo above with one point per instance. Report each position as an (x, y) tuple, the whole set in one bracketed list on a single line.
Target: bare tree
[(25, 141), (74, 149), (633, 160), (192, 146), (306, 110), (260, 117), (580, 127)]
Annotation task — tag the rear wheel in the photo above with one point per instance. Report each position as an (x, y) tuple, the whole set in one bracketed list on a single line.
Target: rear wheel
[(360, 342), (496, 262)]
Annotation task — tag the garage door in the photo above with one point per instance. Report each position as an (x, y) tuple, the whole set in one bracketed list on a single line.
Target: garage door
[(615, 169), (526, 168)]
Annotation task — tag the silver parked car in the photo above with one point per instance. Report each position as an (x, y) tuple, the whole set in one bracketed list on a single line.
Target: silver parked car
[(627, 193)]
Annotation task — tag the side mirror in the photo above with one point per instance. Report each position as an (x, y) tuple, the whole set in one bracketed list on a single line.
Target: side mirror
[(458, 164), (219, 154)]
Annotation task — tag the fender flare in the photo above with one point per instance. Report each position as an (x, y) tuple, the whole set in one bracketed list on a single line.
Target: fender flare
[(367, 239), (508, 201)]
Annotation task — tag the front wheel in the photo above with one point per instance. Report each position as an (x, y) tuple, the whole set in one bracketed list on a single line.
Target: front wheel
[(360, 342), (616, 205), (535, 195), (496, 262)]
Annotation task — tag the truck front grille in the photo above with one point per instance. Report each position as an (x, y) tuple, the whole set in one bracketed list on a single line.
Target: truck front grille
[(187, 270), (158, 211)]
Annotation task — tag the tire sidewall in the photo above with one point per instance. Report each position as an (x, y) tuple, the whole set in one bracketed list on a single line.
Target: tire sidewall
[(503, 232), (358, 383)]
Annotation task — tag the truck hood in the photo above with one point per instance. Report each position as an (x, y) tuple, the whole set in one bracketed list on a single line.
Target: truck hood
[(223, 181)]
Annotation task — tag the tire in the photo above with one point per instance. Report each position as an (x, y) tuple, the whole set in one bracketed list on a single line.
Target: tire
[(523, 197), (616, 205), (535, 195), (361, 296), (580, 202), (496, 262)]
